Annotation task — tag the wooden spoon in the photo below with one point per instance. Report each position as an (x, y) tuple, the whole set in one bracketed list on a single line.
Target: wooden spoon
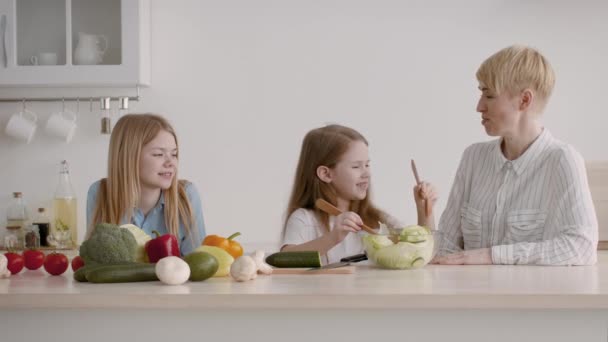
[(330, 209), (427, 207)]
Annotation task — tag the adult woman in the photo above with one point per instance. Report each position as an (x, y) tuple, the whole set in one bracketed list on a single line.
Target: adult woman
[(522, 198)]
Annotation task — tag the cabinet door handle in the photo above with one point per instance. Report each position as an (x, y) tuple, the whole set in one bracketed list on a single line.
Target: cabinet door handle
[(3, 29)]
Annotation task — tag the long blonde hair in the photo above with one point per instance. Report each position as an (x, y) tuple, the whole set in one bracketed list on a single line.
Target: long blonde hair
[(119, 193), (324, 147)]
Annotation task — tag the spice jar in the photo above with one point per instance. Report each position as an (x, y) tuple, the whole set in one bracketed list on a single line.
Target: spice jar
[(32, 237)]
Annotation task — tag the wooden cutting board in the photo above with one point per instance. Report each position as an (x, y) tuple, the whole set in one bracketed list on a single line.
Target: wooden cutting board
[(305, 271)]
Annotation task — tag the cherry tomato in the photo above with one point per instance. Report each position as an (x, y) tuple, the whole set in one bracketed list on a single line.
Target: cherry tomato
[(33, 259), (77, 263), (15, 262), (56, 263)]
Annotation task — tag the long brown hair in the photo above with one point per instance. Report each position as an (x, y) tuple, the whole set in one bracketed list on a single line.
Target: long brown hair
[(119, 193), (325, 146)]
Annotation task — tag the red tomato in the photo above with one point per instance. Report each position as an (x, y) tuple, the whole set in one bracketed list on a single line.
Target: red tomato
[(56, 263), (33, 259), (77, 263), (15, 262)]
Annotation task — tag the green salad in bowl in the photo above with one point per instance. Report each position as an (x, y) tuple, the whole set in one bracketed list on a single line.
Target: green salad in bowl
[(410, 247)]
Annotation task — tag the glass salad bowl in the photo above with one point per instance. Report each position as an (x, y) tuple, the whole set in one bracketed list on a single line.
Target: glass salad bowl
[(402, 248)]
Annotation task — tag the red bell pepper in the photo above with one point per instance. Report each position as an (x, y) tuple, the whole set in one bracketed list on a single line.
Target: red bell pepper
[(161, 246)]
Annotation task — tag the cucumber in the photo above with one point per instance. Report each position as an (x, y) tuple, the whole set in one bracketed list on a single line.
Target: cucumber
[(294, 259), (122, 273), (81, 274), (90, 268)]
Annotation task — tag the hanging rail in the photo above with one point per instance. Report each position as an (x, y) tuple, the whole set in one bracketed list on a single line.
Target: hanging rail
[(69, 98)]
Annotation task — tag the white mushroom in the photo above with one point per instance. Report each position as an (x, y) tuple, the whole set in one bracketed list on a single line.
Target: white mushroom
[(172, 270), (263, 267), (243, 269), (4, 272)]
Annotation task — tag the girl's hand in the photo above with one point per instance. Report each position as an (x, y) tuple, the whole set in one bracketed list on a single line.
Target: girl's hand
[(425, 193), (347, 222)]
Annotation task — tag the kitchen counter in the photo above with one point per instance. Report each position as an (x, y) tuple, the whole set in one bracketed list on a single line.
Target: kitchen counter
[(522, 295), (437, 287)]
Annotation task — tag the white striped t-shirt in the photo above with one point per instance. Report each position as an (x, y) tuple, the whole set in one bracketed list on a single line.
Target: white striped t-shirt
[(536, 209)]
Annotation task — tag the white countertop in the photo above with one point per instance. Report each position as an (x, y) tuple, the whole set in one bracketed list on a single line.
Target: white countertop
[(433, 287)]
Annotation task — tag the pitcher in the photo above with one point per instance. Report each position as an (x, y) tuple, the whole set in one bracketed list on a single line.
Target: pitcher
[(88, 51)]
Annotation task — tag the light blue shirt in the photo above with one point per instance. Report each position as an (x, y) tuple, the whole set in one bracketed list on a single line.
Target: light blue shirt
[(155, 220)]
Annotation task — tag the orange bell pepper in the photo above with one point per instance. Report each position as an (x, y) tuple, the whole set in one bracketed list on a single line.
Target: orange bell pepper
[(228, 244)]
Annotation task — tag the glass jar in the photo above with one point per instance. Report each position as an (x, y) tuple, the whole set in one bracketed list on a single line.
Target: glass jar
[(14, 238), (42, 221), (17, 213), (32, 237)]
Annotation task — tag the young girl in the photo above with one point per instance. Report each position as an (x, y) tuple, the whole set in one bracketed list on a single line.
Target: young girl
[(334, 165), (142, 186)]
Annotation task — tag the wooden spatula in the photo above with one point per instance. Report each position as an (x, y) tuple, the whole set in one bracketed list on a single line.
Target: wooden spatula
[(330, 209), (427, 207)]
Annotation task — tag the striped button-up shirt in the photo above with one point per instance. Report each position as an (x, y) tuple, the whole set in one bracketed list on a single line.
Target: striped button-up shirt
[(536, 209)]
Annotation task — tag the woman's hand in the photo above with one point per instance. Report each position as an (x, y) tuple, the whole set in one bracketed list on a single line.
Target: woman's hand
[(347, 222), (425, 193), (482, 256)]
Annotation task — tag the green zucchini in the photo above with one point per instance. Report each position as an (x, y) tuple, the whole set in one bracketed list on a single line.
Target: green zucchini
[(294, 259), (122, 273)]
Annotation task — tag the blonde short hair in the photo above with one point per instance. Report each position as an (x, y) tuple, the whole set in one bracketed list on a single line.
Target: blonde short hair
[(516, 68)]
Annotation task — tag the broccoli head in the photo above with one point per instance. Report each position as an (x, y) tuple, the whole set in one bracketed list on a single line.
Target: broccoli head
[(109, 244)]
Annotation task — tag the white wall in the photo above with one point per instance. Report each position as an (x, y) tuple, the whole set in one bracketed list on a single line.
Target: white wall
[(243, 81)]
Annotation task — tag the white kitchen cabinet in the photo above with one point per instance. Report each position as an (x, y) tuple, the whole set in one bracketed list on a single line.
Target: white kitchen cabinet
[(67, 43)]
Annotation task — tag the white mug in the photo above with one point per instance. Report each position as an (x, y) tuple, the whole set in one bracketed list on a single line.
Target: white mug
[(44, 58), (62, 125), (22, 125)]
